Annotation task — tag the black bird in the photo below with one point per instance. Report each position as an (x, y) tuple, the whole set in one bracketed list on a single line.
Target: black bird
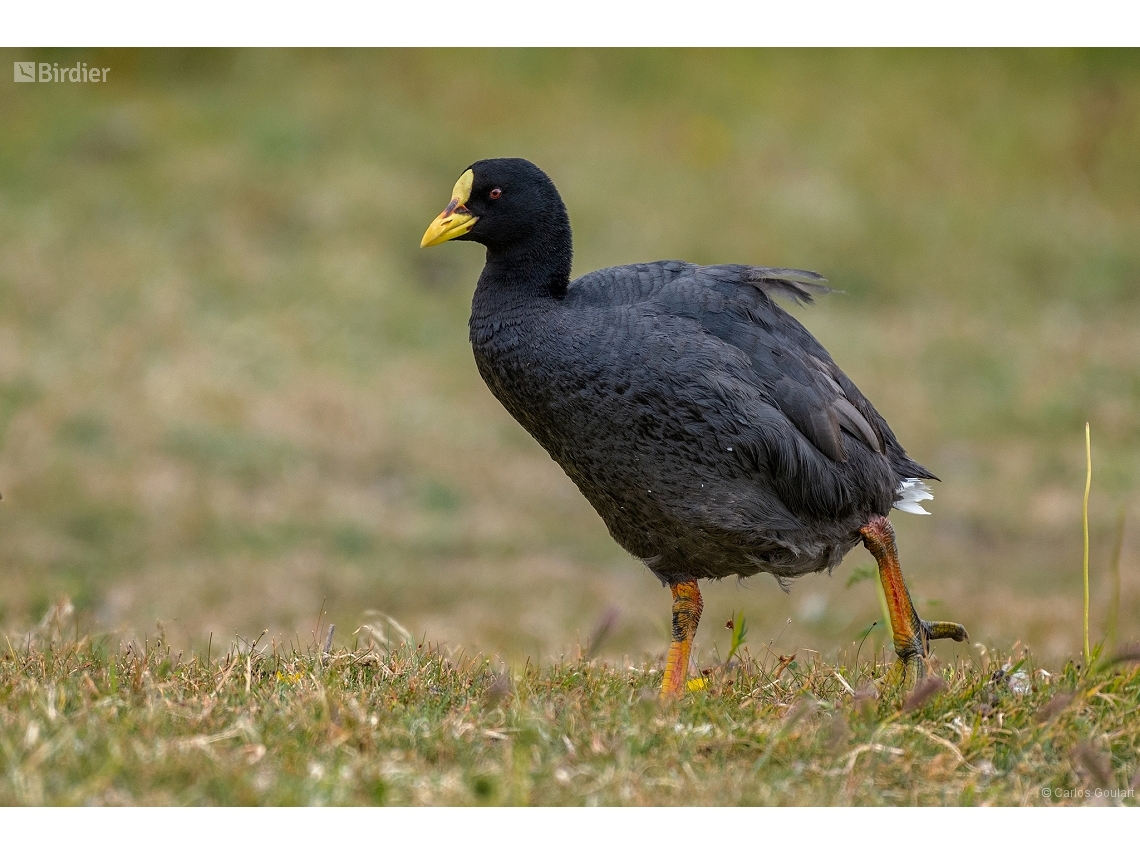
[(710, 430)]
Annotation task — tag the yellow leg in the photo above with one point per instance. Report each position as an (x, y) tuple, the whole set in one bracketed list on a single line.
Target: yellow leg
[(912, 635), (687, 607)]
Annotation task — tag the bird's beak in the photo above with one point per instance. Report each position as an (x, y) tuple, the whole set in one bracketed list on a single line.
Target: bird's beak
[(456, 220)]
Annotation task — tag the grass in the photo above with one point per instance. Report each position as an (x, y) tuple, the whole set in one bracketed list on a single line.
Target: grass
[(1085, 532), (90, 721)]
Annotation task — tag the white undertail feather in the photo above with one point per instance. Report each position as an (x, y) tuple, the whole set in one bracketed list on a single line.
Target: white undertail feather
[(911, 491)]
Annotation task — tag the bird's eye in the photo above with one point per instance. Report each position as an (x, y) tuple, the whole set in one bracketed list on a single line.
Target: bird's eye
[(496, 193)]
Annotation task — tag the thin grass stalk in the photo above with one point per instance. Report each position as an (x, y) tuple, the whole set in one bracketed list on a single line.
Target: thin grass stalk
[(1085, 523)]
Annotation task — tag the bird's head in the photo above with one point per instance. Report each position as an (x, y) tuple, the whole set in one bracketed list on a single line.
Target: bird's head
[(500, 203)]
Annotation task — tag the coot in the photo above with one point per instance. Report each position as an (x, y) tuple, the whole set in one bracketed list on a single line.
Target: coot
[(710, 430)]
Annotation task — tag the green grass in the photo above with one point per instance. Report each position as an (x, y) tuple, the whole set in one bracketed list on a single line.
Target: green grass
[(91, 721)]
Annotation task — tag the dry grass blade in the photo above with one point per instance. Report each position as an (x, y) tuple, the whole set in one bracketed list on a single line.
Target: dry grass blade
[(1096, 765), (51, 625), (865, 699), (383, 630), (846, 686), (328, 641), (945, 743), (924, 692), (500, 689), (1055, 706), (853, 755), (785, 661), (601, 633)]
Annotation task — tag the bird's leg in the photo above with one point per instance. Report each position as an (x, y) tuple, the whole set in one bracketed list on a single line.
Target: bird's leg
[(912, 635), (687, 607)]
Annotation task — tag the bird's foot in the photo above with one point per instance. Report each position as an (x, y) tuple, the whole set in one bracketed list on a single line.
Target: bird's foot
[(912, 635), (915, 646)]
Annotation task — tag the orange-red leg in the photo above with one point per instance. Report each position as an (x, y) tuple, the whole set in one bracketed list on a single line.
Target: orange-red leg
[(912, 635), (687, 606)]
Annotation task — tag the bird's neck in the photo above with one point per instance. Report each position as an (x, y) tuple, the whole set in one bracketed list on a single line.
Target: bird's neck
[(527, 274), (524, 273)]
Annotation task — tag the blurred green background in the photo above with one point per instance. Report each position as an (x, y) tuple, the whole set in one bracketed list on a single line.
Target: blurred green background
[(233, 388)]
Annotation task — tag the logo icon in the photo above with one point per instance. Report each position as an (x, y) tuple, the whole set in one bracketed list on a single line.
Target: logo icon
[(24, 72)]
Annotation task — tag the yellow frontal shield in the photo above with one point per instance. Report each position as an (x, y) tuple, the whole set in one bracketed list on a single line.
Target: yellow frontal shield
[(455, 220)]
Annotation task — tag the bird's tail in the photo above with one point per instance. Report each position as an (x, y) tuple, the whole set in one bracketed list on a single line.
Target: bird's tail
[(910, 492)]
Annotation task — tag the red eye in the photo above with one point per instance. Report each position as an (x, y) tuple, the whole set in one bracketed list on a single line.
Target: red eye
[(496, 193)]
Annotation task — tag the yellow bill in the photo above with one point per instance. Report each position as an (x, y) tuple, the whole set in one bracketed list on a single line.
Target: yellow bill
[(455, 220)]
